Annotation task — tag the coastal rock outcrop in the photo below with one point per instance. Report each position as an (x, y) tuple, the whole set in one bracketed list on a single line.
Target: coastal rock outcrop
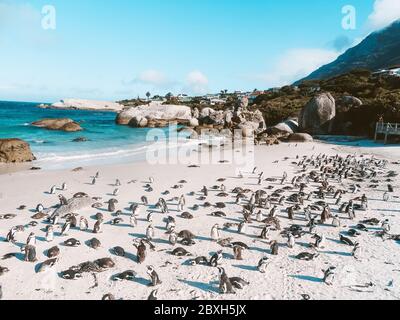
[(288, 126), (316, 117), (156, 114), (66, 125), (15, 151), (83, 104)]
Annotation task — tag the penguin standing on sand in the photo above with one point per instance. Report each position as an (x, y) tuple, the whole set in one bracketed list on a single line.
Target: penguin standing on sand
[(65, 228), (49, 233), (215, 234), (263, 264), (53, 190), (216, 259), (83, 224), (63, 200), (97, 226), (173, 238), (64, 187), (274, 248), (11, 235), (155, 279), (225, 285), (133, 220), (291, 241), (150, 232), (329, 276)]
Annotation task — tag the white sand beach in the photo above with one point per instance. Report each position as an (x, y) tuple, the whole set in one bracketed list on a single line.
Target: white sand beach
[(374, 276)]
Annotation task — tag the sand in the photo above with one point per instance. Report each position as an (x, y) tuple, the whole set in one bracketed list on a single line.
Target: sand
[(286, 278)]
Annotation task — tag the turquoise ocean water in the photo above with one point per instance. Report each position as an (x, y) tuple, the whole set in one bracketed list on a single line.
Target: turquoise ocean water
[(108, 143)]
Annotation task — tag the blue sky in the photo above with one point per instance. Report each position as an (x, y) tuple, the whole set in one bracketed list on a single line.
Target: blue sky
[(103, 49)]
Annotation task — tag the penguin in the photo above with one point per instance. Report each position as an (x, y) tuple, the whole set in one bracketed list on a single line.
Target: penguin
[(39, 208), (242, 227), (53, 190), (64, 187), (49, 233), (181, 252), (356, 253), (72, 242), (94, 243), (329, 276), (238, 283), (63, 200), (150, 217), (274, 248), (153, 296), (46, 265), (126, 275), (150, 232), (133, 220), (173, 238), (386, 197), (263, 264), (199, 261), (336, 221), (291, 241), (65, 228), (237, 252), (30, 253), (215, 235), (141, 252), (346, 241), (144, 200), (386, 226), (216, 259), (151, 179), (155, 279), (53, 252), (83, 224), (94, 181), (97, 226), (265, 232), (117, 183), (111, 205), (259, 216), (273, 212), (115, 192), (11, 235), (225, 285)]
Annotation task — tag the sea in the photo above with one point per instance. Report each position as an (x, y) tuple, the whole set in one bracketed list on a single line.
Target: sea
[(107, 142)]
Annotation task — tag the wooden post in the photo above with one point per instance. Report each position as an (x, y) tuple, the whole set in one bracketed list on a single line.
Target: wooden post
[(387, 133), (376, 131)]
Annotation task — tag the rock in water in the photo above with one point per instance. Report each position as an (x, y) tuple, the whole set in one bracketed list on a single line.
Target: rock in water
[(316, 117), (15, 150), (66, 125)]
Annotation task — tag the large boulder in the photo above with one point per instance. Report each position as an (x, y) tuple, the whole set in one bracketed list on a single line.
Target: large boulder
[(138, 122), (15, 151), (73, 205), (288, 126), (316, 117), (256, 119), (155, 113), (347, 102), (300, 137), (65, 124)]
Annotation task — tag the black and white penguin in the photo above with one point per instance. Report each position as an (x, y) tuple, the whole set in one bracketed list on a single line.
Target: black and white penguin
[(329, 275), (53, 252), (274, 248), (155, 279), (153, 296), (238, 283), (72, 242), (11, 235), (83, 224), (141, 252), (150, 232), (65, 228), (30, 253), (216, 258), (53, 190), (263, 264), (180, 252), (215, 234), (49, 233), (63, 200), (97, 226), (126, 275), (225, 285), (39, 208)]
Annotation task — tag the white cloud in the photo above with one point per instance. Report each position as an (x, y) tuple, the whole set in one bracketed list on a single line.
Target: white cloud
[(196, 82), (296, 64), (385, 12), (154, 78)]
